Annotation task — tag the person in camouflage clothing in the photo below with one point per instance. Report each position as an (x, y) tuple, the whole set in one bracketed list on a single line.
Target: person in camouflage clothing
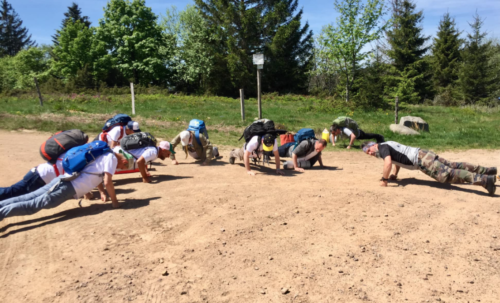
[(430, 164)]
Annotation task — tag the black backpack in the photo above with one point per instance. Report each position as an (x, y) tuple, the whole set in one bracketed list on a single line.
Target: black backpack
[(258, 128), (138, 140), (61, 142)]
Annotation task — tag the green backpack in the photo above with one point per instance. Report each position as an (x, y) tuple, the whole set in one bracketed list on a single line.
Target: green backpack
[(344, 121)]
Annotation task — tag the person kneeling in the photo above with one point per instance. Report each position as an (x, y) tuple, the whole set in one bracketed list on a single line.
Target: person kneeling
[(304, 155), (429, 163), (59, 190), (201, 150)]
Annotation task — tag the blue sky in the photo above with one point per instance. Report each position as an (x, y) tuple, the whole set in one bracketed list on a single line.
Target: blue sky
[(43, 17)]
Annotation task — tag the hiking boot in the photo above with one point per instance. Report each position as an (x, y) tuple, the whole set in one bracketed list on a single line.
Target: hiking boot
[(488, 182), (231, 160), (492, 171)]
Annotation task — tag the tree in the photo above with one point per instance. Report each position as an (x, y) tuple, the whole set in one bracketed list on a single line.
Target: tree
[(134, 42), (407, 51), (193, 57), (476, 73), (17, 72), (73, 14), (75, 51), (357, 25), (13, 36), (446, 52), (289, 47)]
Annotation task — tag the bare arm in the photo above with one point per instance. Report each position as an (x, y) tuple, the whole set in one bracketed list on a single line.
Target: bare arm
[(295, 163), (353, 137), (108, 182), (278, 163), (387, 169), (141, 162), (114, 144), (104, 197), (174, 143), (320, 160), (246, 159)]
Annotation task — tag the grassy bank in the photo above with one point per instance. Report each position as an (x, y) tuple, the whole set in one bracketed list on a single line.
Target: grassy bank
[(165, 116)]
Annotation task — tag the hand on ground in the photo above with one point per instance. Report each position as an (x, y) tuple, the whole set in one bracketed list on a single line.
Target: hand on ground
[(280, 172), (205, 163), (348, 147), (175, 162), (88, 196), (251, 173), (104, 197), (393, 177), (115, 204), (146, 180), (383, 183), (299, 169)]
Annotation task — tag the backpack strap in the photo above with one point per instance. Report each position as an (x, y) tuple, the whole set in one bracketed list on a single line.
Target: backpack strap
[(104, 137), (197, 136)]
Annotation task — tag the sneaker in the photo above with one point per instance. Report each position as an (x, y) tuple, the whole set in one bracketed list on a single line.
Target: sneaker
[(231, 160), (490, 185)]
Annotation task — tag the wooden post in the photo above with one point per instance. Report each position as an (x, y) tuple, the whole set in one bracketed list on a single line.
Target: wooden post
[(242, 104), (39, 94), (258, 94), (396, 111), (133, 97)]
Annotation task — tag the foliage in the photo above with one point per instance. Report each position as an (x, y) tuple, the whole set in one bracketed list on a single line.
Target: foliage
[(18, 72), (13, 36), (476, 73), (133, 42), (407, 50), (357, 25), (73, 14)]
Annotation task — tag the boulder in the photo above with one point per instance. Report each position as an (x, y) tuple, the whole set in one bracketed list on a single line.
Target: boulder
[(403, 130), (416, 123)]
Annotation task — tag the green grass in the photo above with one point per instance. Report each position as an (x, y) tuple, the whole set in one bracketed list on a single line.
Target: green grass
[(165, 116)]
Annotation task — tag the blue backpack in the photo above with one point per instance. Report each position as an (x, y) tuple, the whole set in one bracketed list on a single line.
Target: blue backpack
[(78, 157), (120, 119), (198, 126), (303, 134)]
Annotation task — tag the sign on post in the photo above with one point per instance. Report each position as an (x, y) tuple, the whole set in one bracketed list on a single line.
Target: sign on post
[(258, 59)]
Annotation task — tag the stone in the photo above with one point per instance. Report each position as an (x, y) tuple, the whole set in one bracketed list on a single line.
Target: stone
[(415, 123), (284, 290), (403, 130)]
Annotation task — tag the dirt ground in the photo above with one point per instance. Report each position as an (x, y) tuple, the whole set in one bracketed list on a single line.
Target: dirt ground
[(215, 234)]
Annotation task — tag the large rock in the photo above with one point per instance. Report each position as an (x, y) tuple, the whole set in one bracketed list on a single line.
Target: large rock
[(403, 130), (416, 123)]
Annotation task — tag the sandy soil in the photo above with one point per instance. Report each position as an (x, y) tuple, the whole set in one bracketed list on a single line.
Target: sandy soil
[(215, 234)]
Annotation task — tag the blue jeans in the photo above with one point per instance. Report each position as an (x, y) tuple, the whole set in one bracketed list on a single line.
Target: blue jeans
[(42, 198), (31, 182)]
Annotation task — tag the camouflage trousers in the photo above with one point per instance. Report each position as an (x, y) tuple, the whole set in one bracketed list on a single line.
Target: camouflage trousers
[(445, 171)]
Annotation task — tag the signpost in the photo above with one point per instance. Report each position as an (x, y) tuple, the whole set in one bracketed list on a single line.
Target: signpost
[(258, 59)]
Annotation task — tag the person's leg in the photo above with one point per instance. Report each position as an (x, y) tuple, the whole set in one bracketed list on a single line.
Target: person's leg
[(283, 150), (215, 152), (46, 198), (236, 153), (30, 182), (367, 136), (469, 167)]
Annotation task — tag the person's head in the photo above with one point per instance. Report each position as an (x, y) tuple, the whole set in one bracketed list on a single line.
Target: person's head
[(122, 162), (132, 127), (165, 150), (335, 129), (268, 142), (370, 148), (320, 145)]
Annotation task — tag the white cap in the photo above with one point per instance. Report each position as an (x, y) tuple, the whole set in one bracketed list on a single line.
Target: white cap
[(185, 136), (133, 125)]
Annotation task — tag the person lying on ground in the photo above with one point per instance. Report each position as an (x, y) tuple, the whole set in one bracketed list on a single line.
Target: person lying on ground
[(114, 136), (345, 126), (36, 178), (202, 151), (143, 156), (59, 190), (304, 155), (429, 163), (256, 149)]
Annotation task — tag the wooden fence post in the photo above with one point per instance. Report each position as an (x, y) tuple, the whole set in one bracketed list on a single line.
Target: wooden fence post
[(396, 111), (39, 94), (133, 97), (258, 93), (242, 104)]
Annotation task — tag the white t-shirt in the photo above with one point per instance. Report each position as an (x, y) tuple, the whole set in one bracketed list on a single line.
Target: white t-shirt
[(348, 132), (114, 134), (251, 146), (149, 153), (47, 171), (87, 180)]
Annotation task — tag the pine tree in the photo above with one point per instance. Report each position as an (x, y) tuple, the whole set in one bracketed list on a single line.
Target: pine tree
[(289, 47), (73, 14), (407, 49), (476, 73), (446, 52), (13, 36), (244, 28)]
